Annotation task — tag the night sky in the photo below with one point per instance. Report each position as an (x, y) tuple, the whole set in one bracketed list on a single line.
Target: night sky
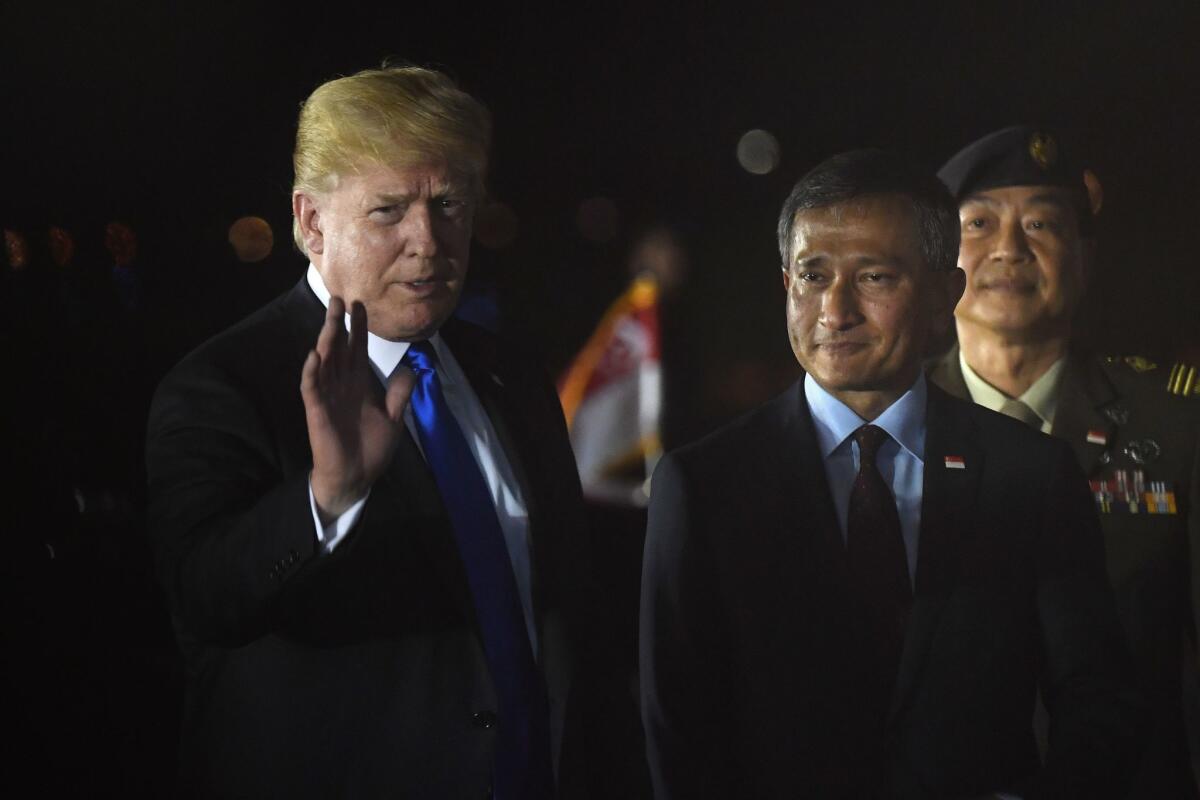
[(179, 117)]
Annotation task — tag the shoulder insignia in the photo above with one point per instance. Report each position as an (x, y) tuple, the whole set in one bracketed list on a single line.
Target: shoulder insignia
[(1183, 380), (1140, 364)]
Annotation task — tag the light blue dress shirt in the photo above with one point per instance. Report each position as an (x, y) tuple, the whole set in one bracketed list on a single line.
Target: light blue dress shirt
[(901, 459)]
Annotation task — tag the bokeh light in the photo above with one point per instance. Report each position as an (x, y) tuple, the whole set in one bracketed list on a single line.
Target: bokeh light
[(62, 246), (252, 239), (121, 243), (758, 152), (16, 250)]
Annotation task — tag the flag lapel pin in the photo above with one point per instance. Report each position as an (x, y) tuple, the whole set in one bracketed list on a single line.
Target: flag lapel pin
[(1096, 436), (955, 462)]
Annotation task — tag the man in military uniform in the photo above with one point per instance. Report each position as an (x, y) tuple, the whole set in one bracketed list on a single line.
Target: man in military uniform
[(1027, 214)]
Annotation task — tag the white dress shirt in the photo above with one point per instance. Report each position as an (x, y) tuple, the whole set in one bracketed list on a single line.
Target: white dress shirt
[(385, 356), (1041, 397)]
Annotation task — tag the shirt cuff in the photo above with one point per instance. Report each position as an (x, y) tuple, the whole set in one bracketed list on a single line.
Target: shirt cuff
[(329, 535)]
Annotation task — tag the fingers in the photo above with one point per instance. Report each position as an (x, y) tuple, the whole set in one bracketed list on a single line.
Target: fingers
[(310, 381), (399, 390), (358, 334), (341, 364), (309, 376), (331, 341)]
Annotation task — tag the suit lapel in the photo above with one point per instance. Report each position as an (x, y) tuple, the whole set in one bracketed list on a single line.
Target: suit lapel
[(1085, 397), (815, 496), (484, 370), (947, 501), (410, 492), (306, 314), (794, 471)]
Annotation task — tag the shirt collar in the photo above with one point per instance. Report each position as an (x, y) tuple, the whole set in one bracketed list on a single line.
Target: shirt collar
[(904, 420), (384, 354), (1042, 396)]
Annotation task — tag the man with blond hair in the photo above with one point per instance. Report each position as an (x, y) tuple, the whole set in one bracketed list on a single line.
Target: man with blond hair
[(365, 513)]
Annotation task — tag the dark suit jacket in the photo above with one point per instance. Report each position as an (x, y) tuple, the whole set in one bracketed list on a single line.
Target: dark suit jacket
[(748, 656), (1151, 558), (359, 673)]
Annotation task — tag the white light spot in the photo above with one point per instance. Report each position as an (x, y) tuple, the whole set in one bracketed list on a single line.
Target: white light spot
[(758, 152)]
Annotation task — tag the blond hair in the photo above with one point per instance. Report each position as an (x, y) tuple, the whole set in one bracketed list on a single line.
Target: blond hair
[(394, 116)]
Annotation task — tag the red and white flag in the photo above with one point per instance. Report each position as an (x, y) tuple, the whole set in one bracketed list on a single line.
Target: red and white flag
[(612, 397)]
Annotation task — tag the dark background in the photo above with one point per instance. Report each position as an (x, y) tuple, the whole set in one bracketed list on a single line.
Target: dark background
[(178, 118)]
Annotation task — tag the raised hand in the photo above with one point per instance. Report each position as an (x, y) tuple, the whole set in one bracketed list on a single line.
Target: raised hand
[(351, 430)]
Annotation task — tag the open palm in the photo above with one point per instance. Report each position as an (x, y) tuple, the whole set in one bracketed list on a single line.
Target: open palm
[(352, 429)]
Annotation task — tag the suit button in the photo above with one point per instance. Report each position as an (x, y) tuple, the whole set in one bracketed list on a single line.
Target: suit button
[(484, 719)]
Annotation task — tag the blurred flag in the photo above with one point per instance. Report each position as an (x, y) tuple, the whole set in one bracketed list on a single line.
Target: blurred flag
[(612, 396)]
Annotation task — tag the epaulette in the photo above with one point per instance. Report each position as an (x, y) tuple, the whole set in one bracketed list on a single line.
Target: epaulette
[(1184, 380), (1135, 363)]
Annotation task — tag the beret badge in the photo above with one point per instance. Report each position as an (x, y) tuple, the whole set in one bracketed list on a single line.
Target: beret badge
[(1043, 149)]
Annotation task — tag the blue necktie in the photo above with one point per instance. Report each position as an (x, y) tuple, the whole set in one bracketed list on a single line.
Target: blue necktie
[(522, 768)]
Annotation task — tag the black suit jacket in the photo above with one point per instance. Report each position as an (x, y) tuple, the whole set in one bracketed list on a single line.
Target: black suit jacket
[(1152, 558), (747, 655), (359, 673)]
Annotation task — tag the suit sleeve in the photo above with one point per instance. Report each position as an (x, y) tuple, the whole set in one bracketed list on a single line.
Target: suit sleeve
[(683, 677), (1193, 542), (1191, 641), (1097, 717), (230, 533)]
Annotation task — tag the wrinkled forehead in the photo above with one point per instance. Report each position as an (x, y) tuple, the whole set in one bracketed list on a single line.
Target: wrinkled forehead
[(1019, 198), (401, 165), (404, 179), (884, 220)]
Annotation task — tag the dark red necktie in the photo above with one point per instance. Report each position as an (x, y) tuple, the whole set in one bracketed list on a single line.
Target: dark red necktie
[(878, 567)]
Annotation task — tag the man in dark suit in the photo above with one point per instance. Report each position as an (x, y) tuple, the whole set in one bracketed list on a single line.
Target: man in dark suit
[(855, 590), (1028, 215), (371, 543)]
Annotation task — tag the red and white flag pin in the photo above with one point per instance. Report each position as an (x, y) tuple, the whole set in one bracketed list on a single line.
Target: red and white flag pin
[(1097, 437), (955, 462)]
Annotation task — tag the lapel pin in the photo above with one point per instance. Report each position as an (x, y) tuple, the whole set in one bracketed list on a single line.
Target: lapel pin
[(955, 462), (1097, 437), (496, 380)]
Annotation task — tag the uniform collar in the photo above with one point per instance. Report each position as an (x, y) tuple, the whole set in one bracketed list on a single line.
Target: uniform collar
[(1042, 396)]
